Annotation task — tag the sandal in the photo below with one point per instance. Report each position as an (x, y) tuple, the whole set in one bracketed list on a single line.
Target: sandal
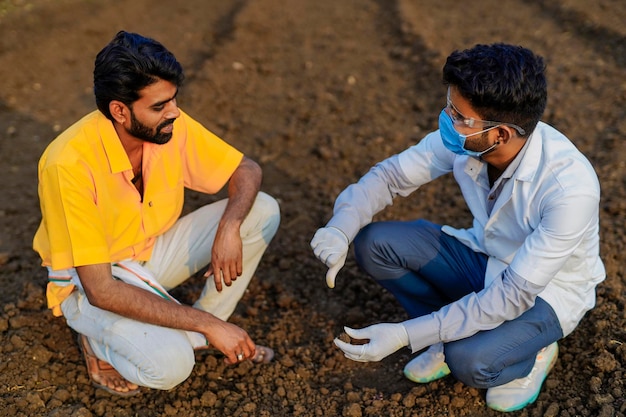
[(101, 371), (263, 354)]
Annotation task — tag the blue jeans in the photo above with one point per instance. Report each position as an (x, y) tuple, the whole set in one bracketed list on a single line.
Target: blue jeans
[(425, 269)]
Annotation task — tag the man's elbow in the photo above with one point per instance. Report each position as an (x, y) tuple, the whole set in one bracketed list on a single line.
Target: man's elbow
[(94, 298), (98, 297)]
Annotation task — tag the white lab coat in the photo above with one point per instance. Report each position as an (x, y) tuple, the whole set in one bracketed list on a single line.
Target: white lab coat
[(543, 225)]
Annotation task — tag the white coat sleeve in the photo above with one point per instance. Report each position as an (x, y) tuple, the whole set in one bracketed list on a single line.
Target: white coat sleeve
[(400, 174), (505, 299)]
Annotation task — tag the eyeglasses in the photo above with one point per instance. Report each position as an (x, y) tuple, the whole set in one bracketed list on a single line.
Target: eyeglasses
[(459, 120)]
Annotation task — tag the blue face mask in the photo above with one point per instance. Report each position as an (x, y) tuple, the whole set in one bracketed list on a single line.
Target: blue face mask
[(455, 141)]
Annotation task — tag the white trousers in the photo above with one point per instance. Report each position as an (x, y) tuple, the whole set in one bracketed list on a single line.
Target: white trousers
[(159, 357)]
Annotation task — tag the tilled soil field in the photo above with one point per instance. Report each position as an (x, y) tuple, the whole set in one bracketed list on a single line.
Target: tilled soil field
[(317, 92)]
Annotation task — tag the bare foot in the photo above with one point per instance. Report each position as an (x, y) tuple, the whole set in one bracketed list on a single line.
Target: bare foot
[(263, 354), (103, 375)]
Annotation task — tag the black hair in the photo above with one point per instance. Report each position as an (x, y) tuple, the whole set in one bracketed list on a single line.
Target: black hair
[(503, 83), (129, 63)]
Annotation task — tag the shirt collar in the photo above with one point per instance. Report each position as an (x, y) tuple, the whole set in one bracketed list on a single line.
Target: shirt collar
[(528, 160), (512, 167), (530, 155), (116, 155)]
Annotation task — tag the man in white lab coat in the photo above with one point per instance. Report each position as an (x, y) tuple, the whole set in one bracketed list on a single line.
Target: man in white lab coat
[(489, 302)]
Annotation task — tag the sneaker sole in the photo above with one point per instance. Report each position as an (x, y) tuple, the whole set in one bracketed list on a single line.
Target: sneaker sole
[(438, 374), (534, 398)]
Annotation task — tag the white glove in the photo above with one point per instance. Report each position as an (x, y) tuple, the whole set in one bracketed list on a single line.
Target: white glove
[(330, 245), (384, 339)]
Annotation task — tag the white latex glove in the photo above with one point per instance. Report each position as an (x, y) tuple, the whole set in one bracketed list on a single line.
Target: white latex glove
[(330, 245), (384, 339)]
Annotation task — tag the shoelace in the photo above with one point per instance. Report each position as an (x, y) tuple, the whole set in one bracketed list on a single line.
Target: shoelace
[(525, 382)]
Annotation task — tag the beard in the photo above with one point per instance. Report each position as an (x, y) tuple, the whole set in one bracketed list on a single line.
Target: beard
[(145, 133), (479, 144)]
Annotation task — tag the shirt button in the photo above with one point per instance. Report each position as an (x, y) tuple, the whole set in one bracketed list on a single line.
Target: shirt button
[(149, 203)]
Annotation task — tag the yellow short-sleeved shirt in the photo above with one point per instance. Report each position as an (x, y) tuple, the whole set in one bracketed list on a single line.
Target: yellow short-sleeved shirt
[(91, 211)]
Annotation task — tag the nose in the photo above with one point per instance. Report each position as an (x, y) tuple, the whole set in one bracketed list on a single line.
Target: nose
[(172, 111)]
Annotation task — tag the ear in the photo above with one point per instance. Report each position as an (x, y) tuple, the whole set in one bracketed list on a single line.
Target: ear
[(505, 133), (119, 111)]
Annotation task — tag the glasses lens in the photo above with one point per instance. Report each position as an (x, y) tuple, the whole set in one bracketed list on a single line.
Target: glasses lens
[(457, 118)]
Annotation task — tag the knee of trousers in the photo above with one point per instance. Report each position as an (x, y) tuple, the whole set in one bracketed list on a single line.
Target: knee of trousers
[(268, 210), (469, 366), (365, 244), (167, 369)]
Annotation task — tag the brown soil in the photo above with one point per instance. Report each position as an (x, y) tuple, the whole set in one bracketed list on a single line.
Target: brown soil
[(317, 91)]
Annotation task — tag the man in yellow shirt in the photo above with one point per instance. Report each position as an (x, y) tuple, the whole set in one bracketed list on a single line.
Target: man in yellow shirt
[(111, 190)]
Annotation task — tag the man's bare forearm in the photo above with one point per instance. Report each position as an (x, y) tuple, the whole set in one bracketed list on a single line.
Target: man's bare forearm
[(243, 188), (107, 293)]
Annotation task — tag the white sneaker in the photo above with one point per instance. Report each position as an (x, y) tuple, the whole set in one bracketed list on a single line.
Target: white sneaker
[(520, 392), (427, 366)]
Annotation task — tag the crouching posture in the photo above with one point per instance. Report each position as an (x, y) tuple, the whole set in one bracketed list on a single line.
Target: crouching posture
[(491, 301), (111, 189)]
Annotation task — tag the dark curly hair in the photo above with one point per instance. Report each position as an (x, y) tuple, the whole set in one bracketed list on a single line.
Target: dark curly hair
[(503, 83), (129, 63)]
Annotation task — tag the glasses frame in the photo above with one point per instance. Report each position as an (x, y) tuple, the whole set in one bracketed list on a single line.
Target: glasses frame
[(459, 119)]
